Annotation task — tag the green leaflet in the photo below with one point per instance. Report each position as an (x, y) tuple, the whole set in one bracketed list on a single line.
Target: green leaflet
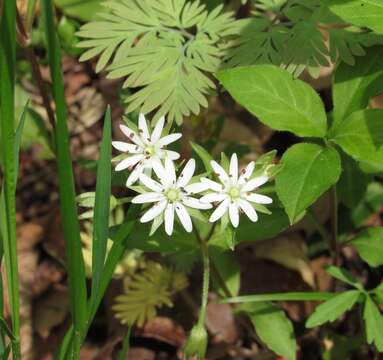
[(333, 308), (273, 327), (360, 135), (374, 323), (355, 85), (277, 99), (343, 275), (85, 10), (359, 12), (369, 244), (150, 45), (308, 171)]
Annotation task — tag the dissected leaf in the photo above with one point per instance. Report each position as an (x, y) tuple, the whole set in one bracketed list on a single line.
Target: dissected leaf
[(333, 308), (370, 245), (343, 275), (308, 171), (374, 323)]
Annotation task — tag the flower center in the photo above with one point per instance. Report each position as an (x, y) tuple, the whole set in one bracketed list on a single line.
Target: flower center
[(173, 195), (234, 193), (150, 150)]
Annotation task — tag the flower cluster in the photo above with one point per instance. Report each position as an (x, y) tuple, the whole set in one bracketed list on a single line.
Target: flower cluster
[(232, 193)]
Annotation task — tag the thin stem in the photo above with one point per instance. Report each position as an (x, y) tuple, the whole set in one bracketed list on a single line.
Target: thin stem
[(334, 225), (320, 228), (125, 345), (205, 283)]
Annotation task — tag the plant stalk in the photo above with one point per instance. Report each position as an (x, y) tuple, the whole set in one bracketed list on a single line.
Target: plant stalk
[(334, 225)]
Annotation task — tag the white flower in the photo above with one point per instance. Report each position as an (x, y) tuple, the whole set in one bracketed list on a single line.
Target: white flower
[(146, 149), (235, 193), (171, 195)]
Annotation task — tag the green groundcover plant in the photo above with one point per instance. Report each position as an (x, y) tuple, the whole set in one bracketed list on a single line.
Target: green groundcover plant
[(173, 56)]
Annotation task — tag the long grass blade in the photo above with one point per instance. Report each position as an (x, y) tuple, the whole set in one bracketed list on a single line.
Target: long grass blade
[(102, 206), (71, 227), (125, 345), (7, 116), (291, 296)]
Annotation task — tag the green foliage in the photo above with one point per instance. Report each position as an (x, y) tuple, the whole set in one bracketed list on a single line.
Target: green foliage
[(374, 323), (369, 244), (291, 296), (277, 99), (85, 10), (343, 275), (273, 327), (333, 308), (365, 13), (308, 171), (153, 46)]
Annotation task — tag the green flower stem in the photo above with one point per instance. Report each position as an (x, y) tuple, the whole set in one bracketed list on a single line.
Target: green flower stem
[(334, 225), (205, 284)]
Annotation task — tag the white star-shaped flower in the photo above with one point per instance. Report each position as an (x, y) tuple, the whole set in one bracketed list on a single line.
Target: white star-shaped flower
[(171, 195), (235, 193), (145, 148)]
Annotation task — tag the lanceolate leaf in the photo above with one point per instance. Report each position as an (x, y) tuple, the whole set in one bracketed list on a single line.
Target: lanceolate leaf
[(333, 308), (361, 136), (273, 327), (355, 85), (374, 323), (277, 99), (365, 13), (370, 245), (343, 275), (308, 171)]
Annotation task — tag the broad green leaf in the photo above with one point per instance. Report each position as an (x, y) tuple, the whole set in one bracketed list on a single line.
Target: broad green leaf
[(333, 308), (343, 275), (374, 323), (369, 244), (308, 171), (352, 184), (364, 13), (355, 85), (102, 205), (277, 99), (203, 155), (273, 327), (360, 135), (290, 296), (85, 10)]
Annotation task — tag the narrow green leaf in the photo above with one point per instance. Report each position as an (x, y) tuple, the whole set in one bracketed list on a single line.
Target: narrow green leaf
[(75, 261), (343, 275), (355, 85), (291, 296), (369, 244), (333, 308), (374, 323), (102, 205), (125, 345), (273, 327), (203, 155), (7, 116), (363, 13), (308, 171), (277, 99), (361, 136)]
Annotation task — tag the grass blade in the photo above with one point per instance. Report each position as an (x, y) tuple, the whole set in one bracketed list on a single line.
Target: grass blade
[(71, 227), (7, 116), (125, 345), (102, 206), (292, 296)]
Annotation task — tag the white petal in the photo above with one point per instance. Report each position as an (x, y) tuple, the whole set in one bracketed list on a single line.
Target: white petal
[(154, 211), (160, 171), (234, 167), (148, 198), (131, 135), (195, 203), (214, 197), (126, 147), (259, 199), (254, 183), (196, 187), (150, 183), (247, 172), (134, 175), (169, 219), (170, 171), (212, 184), (248, 210), (234, 214), (156, 134), (168, 139), (172, 155), (220, 210), (186, 174), (184, 217), (143, 128), (218, 169), (128, 162)]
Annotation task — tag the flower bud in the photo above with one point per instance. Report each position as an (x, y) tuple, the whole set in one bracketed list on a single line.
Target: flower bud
[(196, 344)]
